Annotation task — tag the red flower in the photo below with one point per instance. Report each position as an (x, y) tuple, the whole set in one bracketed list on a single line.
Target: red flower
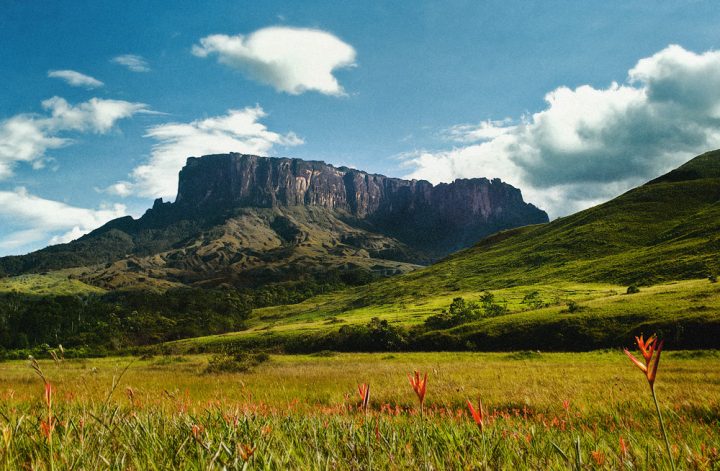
[(246, 451), (623, 448), (418, 385), (477, 415), (364, 391), (47, 427), (648, 348)]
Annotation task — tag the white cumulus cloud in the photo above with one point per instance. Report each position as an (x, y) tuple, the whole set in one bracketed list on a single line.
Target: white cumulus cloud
[(591, 144), (236, 131), (27, 137), (132, 62), (36, 219), (292, 60), (76, 79)]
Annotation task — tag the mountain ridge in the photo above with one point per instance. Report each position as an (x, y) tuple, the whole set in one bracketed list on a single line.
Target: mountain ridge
[(270, 210)]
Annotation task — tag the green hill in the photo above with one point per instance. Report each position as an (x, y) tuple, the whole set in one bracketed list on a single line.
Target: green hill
[(556, 286), (663, 231), (667, 229)]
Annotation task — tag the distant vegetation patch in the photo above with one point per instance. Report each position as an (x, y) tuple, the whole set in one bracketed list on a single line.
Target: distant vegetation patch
[(237, 362)]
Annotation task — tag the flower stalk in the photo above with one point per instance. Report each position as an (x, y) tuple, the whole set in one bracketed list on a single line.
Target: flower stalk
[(650, 350)]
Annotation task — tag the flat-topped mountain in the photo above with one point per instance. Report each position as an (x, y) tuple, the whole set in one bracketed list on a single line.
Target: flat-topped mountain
[(248, 220), (438, 219)]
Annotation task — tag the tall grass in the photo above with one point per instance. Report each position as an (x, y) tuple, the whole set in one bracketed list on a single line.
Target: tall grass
[(305, 413)]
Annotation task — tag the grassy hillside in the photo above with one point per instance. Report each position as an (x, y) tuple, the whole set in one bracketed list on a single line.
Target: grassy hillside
[(570, 317), (50, 284), (666, 230)]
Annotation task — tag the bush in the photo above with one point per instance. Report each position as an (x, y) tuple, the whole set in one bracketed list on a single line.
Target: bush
[(712, 278), (533, 300), (632, 289), (239, 362), (459, 312), (491, 308), (573, 307)]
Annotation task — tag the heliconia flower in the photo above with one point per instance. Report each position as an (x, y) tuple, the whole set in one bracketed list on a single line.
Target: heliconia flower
[(418, 385), (246, 451), (623, 447), (47, 427), (197, 430), (364, 391), (477, 415), (648, 348)]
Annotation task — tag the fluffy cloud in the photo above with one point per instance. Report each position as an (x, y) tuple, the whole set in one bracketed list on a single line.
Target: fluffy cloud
[(292, 60), (76, 79), (236, 131), (590, 144), (26, 137), (132, 62), (37, 219)]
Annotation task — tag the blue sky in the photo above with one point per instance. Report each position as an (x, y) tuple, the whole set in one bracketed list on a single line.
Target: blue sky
[(573, 102)]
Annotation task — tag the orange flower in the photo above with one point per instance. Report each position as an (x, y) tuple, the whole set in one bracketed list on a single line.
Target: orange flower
[(197, 431), (623, 448), (418, 385), (246, 451), (46, 427), (477, 415), (364, 391), (648, 349)]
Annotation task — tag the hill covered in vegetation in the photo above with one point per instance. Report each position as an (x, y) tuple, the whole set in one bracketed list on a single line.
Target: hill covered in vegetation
[(568, 284)]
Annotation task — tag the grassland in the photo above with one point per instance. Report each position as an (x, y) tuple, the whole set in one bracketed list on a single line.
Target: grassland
[(48, 284), (543, 411), (686, 312), (652, 236)]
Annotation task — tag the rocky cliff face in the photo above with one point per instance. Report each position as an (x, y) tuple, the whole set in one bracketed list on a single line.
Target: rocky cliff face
[(455, 214), (242, 217)]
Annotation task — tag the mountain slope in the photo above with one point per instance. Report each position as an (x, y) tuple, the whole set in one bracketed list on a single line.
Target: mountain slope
[(562, 284), (247, 221), (667, 229)]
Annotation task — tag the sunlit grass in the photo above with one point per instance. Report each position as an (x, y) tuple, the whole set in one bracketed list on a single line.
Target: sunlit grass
[(605, 313), (302, 412)]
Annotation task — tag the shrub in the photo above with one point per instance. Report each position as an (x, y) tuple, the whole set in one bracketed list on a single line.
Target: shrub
[(573, 307), (533, 300), (235, 362), (459, 312), (712, 278), (632, 289), (491, 308)]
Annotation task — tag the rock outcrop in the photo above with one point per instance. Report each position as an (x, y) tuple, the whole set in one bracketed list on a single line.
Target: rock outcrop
[(439, 218), (249, 220)]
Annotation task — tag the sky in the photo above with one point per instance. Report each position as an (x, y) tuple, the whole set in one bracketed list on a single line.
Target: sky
[(572, 102)]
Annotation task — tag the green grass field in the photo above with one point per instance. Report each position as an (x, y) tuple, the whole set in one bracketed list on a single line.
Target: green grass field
[(49, 284), (543, 411), (606, 316)]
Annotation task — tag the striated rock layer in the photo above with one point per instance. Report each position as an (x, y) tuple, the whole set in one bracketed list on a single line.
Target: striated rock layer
[(249, 220), (453, 215)]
